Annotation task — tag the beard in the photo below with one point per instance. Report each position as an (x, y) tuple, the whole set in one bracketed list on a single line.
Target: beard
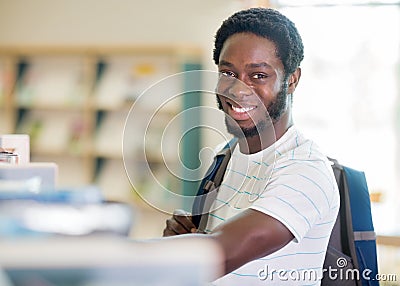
[(273, 113)]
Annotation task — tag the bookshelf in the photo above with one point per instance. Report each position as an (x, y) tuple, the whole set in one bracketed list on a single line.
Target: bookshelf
[(73, 102)]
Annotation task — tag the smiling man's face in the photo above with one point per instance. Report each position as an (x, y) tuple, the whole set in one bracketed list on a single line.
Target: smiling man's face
[(251, 89)]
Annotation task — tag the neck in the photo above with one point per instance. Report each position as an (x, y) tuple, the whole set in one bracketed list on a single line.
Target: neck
[(254, 144)]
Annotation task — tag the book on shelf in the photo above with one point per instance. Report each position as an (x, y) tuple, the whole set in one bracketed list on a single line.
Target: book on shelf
[(124, 78), (50, 82), (109, 134), (52, 132)]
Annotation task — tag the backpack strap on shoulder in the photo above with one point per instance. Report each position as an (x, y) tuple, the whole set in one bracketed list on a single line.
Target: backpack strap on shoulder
[(345, 216)]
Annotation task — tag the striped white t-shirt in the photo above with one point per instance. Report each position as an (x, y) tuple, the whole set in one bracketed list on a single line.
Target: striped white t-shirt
[(293, 182)]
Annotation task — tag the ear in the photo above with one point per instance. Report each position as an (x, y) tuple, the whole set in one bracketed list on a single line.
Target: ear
[(294, 80)]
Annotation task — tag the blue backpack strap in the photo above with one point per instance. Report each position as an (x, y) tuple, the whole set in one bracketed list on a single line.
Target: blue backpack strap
[(363, 228), (213, 178)]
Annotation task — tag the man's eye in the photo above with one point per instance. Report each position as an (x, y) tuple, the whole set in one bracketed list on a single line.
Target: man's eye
[(259, 76), (227, 73)]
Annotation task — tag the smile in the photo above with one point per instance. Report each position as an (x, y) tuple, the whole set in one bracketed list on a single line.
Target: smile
[(243, 109), (240, 113)]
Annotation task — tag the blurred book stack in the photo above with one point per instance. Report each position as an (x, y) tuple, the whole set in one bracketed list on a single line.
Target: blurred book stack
[(31, 204)]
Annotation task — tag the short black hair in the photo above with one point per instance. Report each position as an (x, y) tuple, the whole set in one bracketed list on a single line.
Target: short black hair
[(267, 23)]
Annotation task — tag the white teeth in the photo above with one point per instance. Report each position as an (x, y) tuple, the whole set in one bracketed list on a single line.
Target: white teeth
[(242, 109)]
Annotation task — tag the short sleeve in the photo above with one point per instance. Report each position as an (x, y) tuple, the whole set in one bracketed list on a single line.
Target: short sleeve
[(299, 195)]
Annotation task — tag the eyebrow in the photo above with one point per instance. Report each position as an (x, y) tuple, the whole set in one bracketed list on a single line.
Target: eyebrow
[(258, 65), (225, 63), (252, 65)]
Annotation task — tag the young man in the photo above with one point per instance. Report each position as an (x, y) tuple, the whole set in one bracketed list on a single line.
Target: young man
[(278, 201)]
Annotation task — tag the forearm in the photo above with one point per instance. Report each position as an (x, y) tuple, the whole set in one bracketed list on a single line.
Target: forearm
[(249, 236)]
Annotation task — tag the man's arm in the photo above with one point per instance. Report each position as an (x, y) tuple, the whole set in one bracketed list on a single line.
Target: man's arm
[(243, 238), (249, 236)]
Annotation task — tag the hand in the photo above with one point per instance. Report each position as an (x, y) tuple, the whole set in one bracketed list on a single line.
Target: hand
[(179, 223)]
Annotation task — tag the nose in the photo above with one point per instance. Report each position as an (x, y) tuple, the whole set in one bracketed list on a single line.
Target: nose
[(238, 90)]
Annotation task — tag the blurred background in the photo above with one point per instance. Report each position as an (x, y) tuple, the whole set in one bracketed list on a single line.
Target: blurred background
[(71, 70)]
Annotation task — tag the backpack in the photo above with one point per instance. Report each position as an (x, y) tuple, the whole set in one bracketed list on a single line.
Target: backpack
[(351, 257), (351, 252)]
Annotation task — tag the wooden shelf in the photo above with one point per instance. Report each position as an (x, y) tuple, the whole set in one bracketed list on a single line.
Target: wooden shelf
[(52, 107), (388, 240)]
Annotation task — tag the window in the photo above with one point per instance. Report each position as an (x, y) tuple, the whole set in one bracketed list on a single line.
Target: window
[(348, 99)]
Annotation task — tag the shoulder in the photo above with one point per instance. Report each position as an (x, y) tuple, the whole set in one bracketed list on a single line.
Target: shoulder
[(301, 165), (296, 150)]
